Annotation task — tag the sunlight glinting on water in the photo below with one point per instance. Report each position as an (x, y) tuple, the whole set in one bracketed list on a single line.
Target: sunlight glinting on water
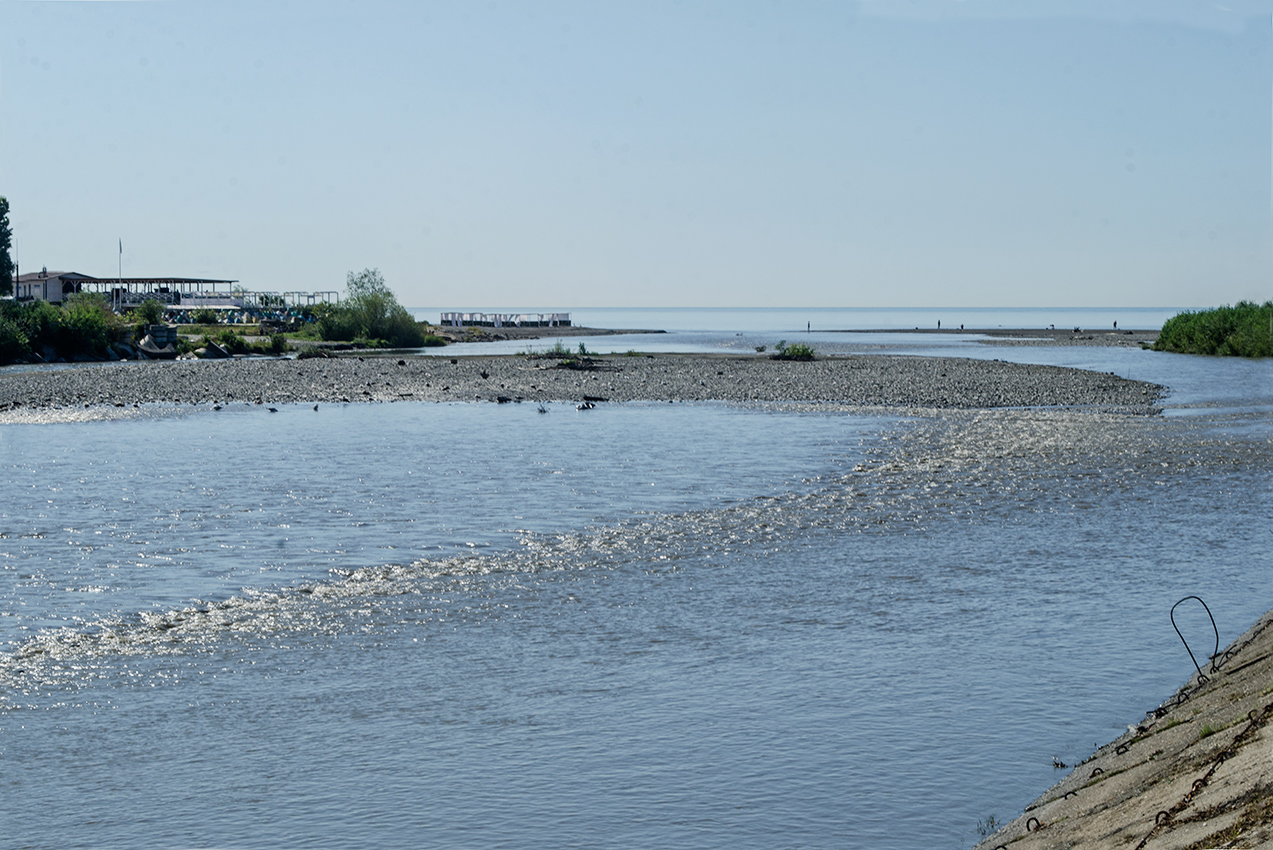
[(693, 610)]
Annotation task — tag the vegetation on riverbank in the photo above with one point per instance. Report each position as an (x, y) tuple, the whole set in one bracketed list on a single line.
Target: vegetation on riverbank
[(84, 325), (234, 342), (795, 351), (371, 315), (1243, 330), (85, 328)]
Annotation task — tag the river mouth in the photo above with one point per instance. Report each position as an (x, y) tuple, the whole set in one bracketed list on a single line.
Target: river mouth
[(575, 619)]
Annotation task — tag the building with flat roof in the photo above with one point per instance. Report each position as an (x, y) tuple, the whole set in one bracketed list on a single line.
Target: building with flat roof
[(175, 293), (124, 292)]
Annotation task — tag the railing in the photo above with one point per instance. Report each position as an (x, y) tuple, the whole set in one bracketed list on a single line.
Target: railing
[(500, 320)]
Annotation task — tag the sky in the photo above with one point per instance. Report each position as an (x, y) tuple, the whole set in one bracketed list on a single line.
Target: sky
[(563, 155)]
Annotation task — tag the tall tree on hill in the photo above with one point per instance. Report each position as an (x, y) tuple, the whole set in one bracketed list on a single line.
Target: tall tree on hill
[(6, 243)]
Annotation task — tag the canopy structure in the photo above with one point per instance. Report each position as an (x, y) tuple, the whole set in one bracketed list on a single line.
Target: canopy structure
[(183, 293)]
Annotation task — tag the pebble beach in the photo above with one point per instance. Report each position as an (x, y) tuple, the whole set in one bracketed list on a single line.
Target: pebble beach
[(859, 381)]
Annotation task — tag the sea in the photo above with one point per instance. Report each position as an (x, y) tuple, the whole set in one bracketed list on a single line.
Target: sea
[(645, 625)]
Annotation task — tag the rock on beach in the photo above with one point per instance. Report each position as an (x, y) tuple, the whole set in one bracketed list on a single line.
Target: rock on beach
[(858, 381)]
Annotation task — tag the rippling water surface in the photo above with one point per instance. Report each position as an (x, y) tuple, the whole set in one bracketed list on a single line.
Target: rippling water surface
[(645, 625)]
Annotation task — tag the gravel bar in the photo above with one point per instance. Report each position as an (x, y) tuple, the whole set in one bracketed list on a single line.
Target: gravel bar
[(866, 381)]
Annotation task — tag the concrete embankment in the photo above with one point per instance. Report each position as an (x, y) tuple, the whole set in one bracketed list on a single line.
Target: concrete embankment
[(1196, 772), (867, 381)]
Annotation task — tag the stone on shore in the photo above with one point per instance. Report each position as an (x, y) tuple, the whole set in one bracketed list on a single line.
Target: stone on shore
[(857, 381)]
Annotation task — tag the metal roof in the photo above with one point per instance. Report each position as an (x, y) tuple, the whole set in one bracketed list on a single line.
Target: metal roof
[(34, 276)]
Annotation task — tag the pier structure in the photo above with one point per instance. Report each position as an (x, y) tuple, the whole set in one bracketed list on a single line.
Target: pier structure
[(502, 320)]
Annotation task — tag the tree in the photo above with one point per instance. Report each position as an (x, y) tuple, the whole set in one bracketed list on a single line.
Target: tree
[(370, 312), (150, 311), (368, 283), (6, 244)]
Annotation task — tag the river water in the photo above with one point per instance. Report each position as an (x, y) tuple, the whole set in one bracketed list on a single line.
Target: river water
[(430, 625)]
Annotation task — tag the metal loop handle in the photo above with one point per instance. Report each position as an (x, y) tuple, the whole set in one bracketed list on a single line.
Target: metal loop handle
[(1201, 676)]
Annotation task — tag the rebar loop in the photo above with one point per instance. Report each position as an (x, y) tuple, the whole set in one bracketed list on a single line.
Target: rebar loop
[(1202, 677)]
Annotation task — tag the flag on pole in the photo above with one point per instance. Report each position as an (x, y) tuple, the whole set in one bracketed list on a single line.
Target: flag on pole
[(121, 245)]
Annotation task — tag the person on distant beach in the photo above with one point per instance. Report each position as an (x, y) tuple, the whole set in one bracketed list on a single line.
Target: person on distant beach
[(1116, 324), (808, 327), (939, 324)]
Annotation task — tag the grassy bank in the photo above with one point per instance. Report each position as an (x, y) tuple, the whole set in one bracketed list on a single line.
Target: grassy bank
[(1243, 330)]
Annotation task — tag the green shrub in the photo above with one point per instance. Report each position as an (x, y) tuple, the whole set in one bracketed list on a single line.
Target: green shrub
[(84, 324), (88, 325), (370, 313), (205, 316), (558, 351), (799, 351), (13, 342), (337, 325), (232, 342), (1243, 330), (40, 321), (149, 312), (276, 344)]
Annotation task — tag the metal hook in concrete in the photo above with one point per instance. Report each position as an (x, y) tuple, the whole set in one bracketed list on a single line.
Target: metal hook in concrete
[(1202, 677)]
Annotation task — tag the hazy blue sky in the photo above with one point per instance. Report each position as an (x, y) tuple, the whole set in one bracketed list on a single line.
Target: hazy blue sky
[(678, 153)]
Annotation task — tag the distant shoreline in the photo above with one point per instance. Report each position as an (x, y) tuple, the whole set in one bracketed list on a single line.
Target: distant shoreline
[(1132, 338)]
